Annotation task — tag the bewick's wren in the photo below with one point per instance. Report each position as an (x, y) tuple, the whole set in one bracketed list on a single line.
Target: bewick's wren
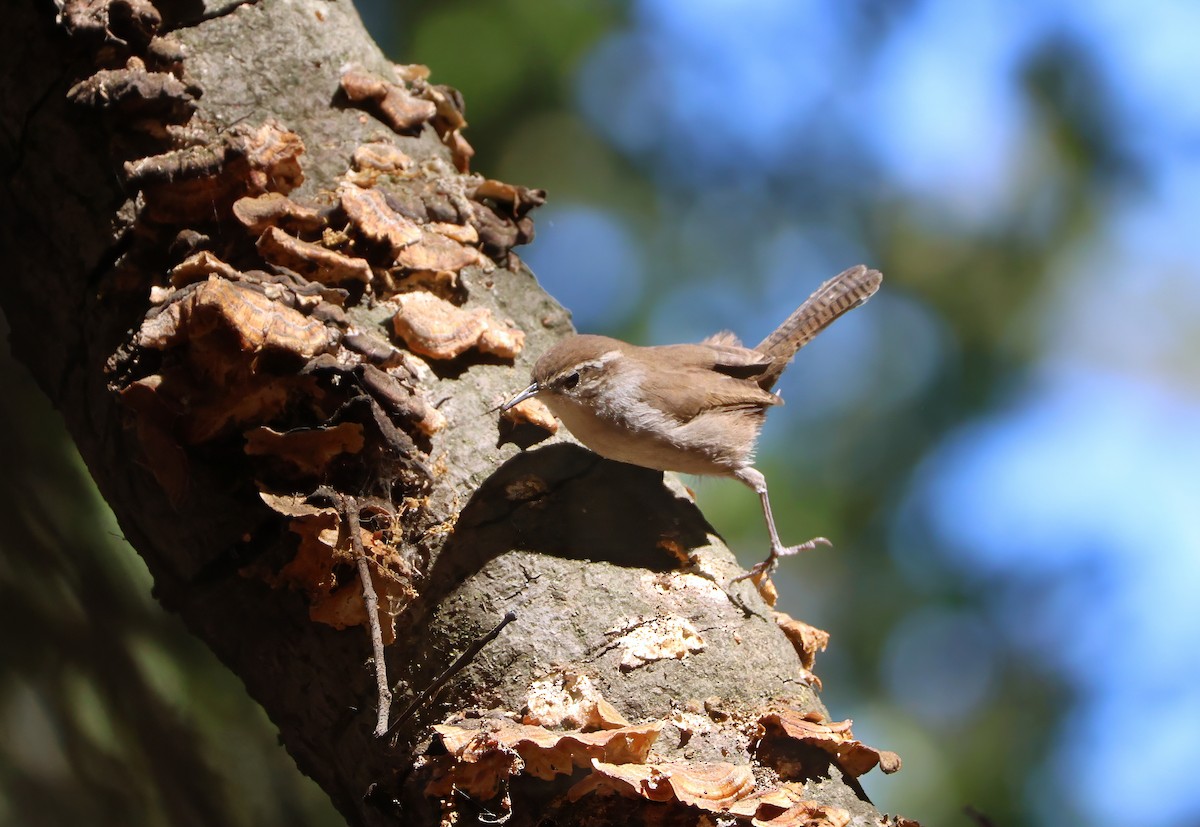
[(696, 409)]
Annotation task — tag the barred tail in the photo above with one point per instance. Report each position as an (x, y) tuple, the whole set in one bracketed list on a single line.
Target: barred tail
[(844, 292)]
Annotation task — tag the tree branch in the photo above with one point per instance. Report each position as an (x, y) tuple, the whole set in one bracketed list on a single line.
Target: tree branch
[(248, 277)]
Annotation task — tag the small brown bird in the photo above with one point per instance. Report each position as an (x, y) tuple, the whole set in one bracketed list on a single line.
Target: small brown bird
[(694, 408)]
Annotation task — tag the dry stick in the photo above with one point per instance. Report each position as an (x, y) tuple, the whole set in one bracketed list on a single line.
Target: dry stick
[(430, 692), (351, 513)]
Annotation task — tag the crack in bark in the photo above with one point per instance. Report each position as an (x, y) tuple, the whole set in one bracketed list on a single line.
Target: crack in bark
[(430, 693), (18, 158)]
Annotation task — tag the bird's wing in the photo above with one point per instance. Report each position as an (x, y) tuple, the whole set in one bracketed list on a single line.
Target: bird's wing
[(715, 353), (683, 391)]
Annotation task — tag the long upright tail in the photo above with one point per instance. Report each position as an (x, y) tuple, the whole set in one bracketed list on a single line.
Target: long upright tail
[(844, 292)]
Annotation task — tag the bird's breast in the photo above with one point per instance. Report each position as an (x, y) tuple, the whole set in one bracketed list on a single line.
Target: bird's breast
[(628, 430)]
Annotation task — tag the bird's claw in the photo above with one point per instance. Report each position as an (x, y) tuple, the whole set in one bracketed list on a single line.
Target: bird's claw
[(767, 567), (763, 568), (805, 546)]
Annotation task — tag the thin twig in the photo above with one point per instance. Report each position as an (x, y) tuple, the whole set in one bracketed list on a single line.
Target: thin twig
[(351, 512), (430, 692)]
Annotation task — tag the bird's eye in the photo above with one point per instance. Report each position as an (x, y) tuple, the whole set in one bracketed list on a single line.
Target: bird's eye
[(571, 380)]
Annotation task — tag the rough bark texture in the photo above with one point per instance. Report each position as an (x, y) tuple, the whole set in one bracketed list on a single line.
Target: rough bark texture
[(585, 551)]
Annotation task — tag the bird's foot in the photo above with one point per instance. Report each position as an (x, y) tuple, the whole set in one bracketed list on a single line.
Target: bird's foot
[(768, 566)]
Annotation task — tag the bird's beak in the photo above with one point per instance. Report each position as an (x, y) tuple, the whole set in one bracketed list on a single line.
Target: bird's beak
[(521, 397)]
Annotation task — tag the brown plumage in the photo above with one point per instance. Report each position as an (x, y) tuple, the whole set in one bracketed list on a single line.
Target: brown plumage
[(693, 408)]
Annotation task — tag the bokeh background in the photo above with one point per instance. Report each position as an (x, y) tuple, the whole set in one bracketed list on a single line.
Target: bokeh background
[(1004, 444)]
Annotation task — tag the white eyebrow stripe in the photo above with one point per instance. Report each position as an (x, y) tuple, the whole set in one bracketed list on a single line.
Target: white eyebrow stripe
[(600, 361)]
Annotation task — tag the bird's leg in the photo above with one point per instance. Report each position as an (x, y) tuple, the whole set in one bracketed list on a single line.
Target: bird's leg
[(758, 482)]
